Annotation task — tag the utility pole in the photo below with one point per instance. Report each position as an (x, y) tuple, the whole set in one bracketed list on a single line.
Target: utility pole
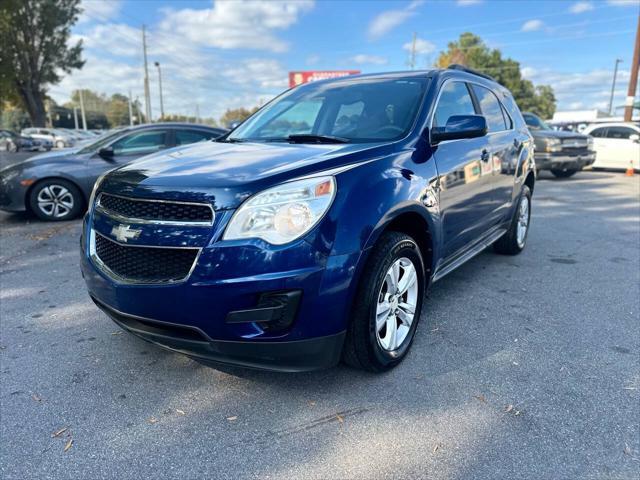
[(633, 81), (75, 117), (48, 110), (130, 109), (84, 117), (147, 96), (157, 64), (613, 86), (197, 113), (412, 60)]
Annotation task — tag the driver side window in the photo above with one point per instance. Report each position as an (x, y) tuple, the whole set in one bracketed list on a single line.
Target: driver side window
[(140, 143), (454, 100)]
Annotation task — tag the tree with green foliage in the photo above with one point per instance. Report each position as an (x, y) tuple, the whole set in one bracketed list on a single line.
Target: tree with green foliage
[(236, 115), (34, 35), (471, 51)]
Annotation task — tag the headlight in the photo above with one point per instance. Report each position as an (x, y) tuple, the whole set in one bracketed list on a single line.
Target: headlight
[(284, 213), (553, 144), (96, 185)]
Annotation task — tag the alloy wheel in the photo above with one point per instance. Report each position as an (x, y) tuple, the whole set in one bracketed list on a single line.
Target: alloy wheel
[(397, 300), (523, 221), (55, 201)]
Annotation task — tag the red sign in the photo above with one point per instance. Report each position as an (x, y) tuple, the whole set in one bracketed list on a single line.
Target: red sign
[(298, 78)]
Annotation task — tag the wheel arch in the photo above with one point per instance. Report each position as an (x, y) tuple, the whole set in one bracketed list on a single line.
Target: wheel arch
[(530, 180)]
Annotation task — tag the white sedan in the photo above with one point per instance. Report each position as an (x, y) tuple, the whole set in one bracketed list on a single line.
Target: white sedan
[(617, 145)]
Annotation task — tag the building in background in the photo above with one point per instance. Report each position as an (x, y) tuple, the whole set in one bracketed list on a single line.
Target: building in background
[(298, 78)]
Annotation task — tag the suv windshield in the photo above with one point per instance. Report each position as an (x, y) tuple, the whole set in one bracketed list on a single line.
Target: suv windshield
[(363, 110), (535, 122)]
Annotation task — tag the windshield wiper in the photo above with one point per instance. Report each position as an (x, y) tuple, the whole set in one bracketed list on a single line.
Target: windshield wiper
[(310, 138)]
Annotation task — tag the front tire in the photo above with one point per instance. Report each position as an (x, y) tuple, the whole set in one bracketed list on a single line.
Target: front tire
[(387, 306), (59, 144), (563, 173), (514, 241), (55, 200)]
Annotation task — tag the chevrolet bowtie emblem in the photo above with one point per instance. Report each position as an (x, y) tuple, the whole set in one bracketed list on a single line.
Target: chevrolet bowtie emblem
[(124, 233)]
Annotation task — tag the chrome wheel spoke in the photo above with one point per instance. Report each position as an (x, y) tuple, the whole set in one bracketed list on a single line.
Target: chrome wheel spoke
[(392, 331), (407, 280)]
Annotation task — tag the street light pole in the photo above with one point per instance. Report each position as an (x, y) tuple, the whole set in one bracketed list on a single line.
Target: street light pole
[(157, 64), (613, 86)]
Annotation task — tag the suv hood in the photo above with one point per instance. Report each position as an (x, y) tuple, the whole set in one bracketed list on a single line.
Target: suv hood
[(556, 134), (225, 174)]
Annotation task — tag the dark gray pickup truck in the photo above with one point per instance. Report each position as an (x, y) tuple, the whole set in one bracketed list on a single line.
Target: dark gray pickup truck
[(563, 153)]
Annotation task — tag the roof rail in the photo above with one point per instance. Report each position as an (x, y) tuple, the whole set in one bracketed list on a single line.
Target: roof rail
[(462, 68)]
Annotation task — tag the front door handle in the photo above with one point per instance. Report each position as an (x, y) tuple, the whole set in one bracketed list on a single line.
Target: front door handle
[(485, 155)]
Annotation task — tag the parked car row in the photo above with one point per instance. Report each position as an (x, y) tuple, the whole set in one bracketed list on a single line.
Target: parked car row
[(57, 185), (12, 142), (613, 145)]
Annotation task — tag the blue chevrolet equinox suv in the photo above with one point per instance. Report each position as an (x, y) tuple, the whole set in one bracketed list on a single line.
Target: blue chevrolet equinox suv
[(312, 231)]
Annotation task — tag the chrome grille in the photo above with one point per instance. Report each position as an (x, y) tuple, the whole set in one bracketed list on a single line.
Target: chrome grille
[(143, 264), (155, 211)]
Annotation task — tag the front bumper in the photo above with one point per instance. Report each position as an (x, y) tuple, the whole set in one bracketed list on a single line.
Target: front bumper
[(288, 356), (564, 161), (12, 194), (209, 315)]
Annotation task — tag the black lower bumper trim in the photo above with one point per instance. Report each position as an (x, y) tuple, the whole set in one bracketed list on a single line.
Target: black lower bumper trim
[(292, 356)]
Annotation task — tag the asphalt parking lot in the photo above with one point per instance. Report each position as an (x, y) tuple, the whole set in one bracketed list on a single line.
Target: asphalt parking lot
[(522, 367)]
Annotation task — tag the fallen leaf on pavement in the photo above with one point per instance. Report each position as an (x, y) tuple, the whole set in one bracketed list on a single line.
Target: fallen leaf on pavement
[(508, 408), (152, 420), (340, 419), (68, 445), (436, 447), (59, 432), (627, 449), (481, 398), (312, 404), (181, 412), (116, 333), (36, 398), (232, 419)]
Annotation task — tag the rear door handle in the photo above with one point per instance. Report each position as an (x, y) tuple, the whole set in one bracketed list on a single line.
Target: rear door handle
[(485, 155)]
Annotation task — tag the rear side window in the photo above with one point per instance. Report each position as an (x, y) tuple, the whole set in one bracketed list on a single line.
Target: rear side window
[(620, 133), (490, 108), (599, 132), (454, 100), (185, 137)]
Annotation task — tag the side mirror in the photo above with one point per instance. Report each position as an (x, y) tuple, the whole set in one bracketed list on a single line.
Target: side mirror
[(106, 153), (635, 138), (459, 127)]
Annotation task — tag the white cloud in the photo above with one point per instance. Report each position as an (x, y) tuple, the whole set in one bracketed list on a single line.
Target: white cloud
[(99, 10), (266, 73), (386, 21), (313, 59), (236, 24), (532, 25), (589, 89), (423, 47), (363, 59), (466, 3), (581, 7), (624, 3)]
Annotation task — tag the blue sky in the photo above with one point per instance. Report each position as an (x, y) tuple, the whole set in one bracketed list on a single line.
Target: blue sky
[(223, 54)]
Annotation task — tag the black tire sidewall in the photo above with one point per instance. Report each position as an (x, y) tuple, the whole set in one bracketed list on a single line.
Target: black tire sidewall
[(526, 193), (404, 248), (78, 200)]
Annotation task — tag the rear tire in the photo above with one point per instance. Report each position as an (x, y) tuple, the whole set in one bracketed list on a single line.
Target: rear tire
[(514, 241), (382, 325), (55, 200), (563, 173)]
